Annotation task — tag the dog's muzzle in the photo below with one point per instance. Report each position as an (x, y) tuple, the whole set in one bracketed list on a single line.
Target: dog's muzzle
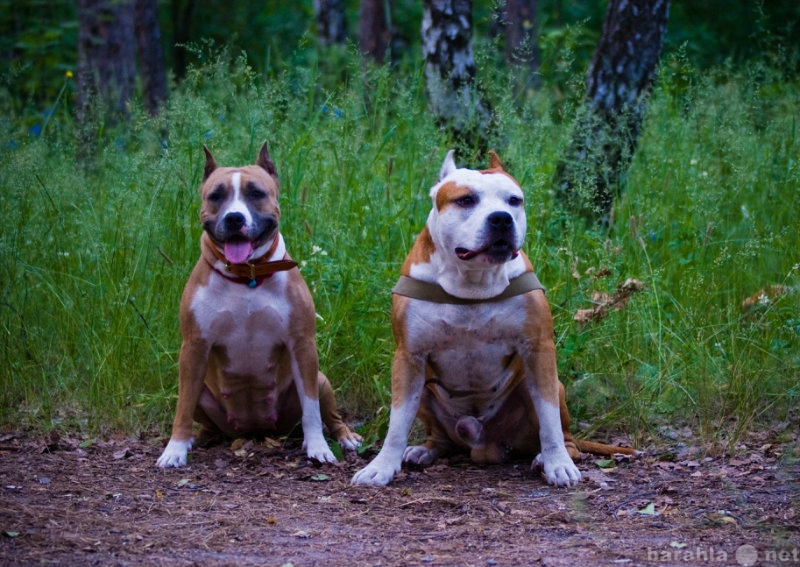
[(500, 239), (233, 223)]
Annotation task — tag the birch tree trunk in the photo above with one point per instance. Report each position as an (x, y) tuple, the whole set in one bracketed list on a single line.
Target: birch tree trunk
[(607, 127), (455, 100)]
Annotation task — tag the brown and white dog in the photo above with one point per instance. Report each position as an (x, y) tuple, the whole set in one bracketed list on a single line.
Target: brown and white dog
[(475, 358), (248, 362)]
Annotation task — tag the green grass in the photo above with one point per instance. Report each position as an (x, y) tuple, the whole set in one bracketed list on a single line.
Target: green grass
[(94, 258)]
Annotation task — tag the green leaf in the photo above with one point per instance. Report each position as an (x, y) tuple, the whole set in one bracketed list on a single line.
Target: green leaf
[(606, 463), (649, 510), (336, 450), (320, 477)]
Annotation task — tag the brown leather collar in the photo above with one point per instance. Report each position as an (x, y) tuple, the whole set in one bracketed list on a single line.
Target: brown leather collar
[(254, 272)]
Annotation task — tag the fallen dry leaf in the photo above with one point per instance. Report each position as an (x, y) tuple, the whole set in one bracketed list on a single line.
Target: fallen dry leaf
[(763, 296), (603, 302), (122, 454)]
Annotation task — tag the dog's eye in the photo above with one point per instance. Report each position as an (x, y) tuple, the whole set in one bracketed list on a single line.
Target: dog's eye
[(217, 195), (515, 201), (255, 193), (466, 201)]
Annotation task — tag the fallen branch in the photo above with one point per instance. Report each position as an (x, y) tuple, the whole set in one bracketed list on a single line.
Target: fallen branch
[(605, 302)]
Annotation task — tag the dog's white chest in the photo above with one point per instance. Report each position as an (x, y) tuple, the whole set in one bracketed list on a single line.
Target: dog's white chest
[(469, 347), (247, 322)]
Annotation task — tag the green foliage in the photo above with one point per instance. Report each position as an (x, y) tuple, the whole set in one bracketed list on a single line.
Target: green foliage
[(38, 39), (94, 260), (708, 218), (38, 45)]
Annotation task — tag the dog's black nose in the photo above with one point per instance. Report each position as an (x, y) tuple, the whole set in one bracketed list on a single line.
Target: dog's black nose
[(234, 221), (500, 220)]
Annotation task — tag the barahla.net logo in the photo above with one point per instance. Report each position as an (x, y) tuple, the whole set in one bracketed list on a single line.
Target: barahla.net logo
[(745, 555)]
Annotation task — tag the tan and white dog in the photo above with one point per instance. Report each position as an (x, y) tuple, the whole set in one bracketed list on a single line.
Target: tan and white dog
[(248, 362), (475, 358)]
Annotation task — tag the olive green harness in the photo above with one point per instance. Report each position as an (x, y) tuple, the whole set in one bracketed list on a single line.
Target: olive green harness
[(417, 289)]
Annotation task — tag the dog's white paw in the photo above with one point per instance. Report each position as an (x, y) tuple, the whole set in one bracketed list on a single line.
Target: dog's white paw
[(420, 455), (558, 469), (318, 450), (377, 473), (174, 454)]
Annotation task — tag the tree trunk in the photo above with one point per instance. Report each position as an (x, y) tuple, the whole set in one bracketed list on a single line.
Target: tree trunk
[(181, 12), (607, 127), (106, 58), (106, 69), (374, 31), (454, 99), (522, 40), (331, 23), (151, 55)]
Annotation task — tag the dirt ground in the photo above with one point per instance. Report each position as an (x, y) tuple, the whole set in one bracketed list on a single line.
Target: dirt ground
[(75, 502)]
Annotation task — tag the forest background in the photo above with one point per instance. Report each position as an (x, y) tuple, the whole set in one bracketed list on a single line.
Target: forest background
[(680, 308)]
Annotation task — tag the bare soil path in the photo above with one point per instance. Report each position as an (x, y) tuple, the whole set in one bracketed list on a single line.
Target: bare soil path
[(71, 503)]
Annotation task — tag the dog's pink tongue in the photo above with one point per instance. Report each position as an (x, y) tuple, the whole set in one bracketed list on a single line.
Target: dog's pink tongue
[(238, 252)]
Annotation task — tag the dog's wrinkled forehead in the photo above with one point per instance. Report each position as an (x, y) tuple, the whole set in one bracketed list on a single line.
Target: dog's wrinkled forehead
[(228, 179), (472, 188)]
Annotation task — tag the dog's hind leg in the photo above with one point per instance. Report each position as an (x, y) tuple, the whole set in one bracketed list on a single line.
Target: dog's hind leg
[(603, 449), (348, 439), (211, 415), (437, 441)]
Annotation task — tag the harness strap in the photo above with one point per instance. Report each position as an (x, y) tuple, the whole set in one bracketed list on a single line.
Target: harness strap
[(426, 291)]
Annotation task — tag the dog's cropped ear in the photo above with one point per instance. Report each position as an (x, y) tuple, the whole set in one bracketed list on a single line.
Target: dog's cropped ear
[(449, 165), (211, 165), (265, 162), (494, 161)]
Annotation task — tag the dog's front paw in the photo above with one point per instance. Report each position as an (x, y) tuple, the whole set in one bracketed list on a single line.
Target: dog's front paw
[(174, 454), (420, 455), (319, 451), (558, 469), (377, 473)]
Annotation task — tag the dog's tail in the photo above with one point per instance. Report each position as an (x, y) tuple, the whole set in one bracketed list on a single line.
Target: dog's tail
[(603, 449)]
